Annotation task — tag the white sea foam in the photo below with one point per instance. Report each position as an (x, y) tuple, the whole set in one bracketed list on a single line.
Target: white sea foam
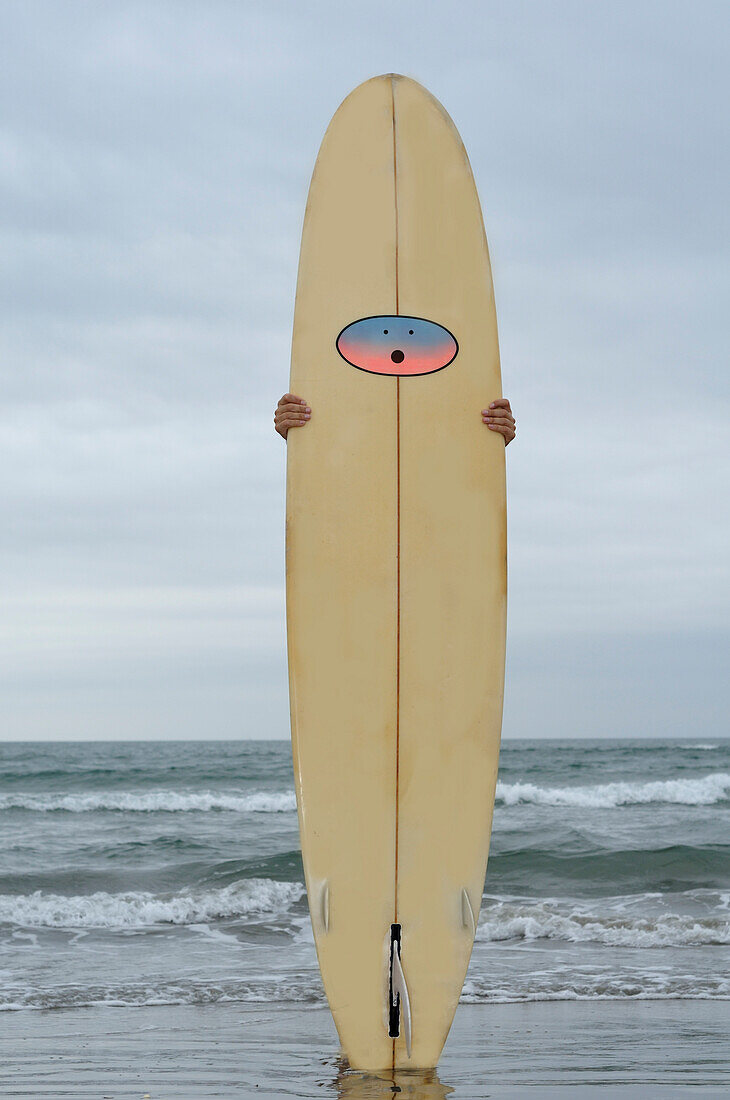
[(140, 909), (516, 920), (152, 801), (703, 791), (302, 988), (305, 987), (598, 986), (701, 747)]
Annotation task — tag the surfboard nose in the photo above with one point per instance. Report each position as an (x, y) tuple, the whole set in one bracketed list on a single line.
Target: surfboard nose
[(397, 345)]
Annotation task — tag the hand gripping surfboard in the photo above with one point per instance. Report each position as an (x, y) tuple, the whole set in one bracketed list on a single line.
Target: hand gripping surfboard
[(396, 569)]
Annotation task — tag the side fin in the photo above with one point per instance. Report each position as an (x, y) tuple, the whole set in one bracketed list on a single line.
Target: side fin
[(324, 905), (467, 913)]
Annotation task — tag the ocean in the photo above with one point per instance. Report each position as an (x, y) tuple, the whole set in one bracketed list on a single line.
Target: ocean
[(147, 874)]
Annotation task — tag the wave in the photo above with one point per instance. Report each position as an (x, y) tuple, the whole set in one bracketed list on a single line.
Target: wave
[(530, 870), (599, 987), (153, 801), (291, 988), (699, 746), (704, 791), (305, 987), (512, 920), (141, 909)]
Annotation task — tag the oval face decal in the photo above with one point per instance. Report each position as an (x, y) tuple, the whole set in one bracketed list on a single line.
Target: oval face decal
[(397, 345)]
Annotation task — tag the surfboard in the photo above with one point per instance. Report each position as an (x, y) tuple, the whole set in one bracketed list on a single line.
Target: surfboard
[(395, 569)]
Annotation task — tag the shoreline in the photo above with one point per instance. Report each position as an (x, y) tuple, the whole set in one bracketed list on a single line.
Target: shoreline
[(635, 1049)]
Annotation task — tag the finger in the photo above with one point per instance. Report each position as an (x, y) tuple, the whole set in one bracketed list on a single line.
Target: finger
[(508, 433), (294, 414), (503, 429), (507, 421), (499, 403), (291, 398)]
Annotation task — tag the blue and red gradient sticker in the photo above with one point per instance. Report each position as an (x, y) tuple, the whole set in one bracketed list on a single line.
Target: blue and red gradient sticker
[(397, 345)]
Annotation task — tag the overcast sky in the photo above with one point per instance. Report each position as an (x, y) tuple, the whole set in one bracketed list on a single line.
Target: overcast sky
[(154, 164)]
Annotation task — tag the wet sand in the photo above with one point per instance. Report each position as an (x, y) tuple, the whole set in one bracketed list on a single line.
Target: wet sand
[(609, 1048)]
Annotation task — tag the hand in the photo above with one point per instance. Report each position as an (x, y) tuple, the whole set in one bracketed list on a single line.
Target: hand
[(498, 418), (291, 412)]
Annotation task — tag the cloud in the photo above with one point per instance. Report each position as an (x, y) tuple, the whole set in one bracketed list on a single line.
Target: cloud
[(154, 162)]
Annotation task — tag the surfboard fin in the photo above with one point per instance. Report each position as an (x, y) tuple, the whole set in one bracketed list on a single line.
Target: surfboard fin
[(467, 913), (400, 1002), (324, 906)]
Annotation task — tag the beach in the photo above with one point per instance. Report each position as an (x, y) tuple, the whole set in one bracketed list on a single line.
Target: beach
[(641, 1049), (155, 937)]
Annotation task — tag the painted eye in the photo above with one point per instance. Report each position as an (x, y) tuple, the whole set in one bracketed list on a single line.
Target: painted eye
[(410, 332), (385, 332)]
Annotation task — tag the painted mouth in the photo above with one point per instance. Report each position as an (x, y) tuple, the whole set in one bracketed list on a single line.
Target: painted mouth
[(396, 345)]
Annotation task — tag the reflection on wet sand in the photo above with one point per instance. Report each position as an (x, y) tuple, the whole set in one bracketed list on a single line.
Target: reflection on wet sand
[(405, 1084)]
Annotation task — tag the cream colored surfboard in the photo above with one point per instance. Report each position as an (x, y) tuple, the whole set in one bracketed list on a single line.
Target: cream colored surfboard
[(396, 569)]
